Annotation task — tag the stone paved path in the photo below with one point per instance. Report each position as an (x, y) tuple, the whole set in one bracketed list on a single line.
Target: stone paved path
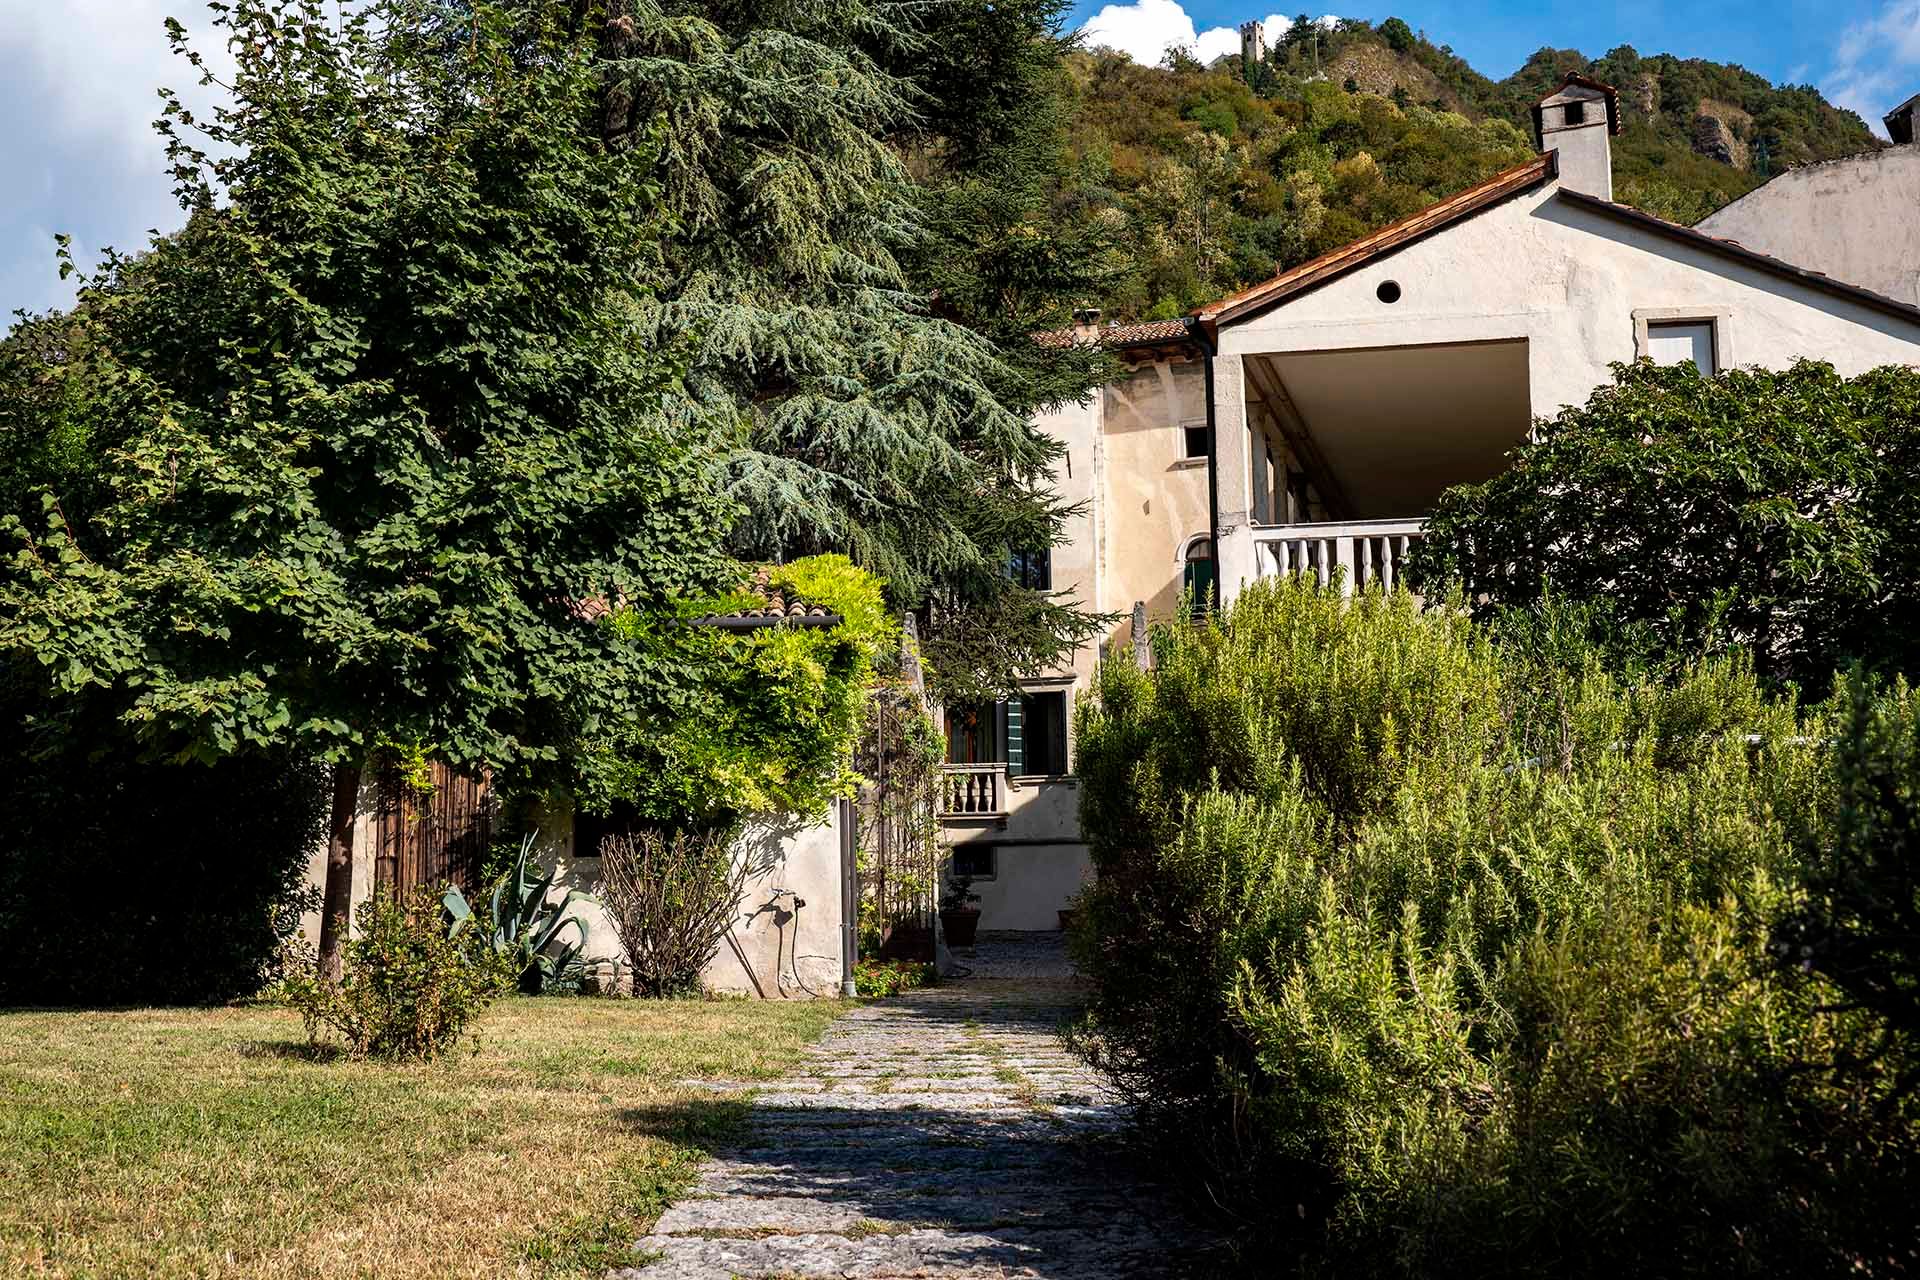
[(946, 1133)]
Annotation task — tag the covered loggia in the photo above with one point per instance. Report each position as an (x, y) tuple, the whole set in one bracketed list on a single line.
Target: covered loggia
[(1348, 449)]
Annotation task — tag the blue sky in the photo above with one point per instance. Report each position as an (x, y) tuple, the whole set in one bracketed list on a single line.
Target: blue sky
[(1864, 54), (78, 81)]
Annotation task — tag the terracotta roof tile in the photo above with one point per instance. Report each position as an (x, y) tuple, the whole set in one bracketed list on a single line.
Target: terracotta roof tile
[(776, 606), (1119, 335)]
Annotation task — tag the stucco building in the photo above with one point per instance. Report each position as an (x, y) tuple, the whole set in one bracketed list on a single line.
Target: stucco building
[(1309, 423), (1856, 219)]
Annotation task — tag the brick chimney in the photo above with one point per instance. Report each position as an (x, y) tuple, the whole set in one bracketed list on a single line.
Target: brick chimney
[(1578, 121), (1086, 324)]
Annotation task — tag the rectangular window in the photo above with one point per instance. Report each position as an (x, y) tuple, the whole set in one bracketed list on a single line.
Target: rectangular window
[(1576, 113), (974, 861), (1032, 569), (1043, 734), (1682, 341), (1196, 439), (971, 736)]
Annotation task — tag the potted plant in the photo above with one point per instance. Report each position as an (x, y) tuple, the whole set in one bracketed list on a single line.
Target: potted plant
[(959, 918)]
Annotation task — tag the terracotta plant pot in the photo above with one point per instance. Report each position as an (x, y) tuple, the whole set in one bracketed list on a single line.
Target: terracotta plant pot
[(960, 926)]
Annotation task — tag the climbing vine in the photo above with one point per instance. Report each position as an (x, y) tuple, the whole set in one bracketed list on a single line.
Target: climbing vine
[(766, 718), (899, 755)]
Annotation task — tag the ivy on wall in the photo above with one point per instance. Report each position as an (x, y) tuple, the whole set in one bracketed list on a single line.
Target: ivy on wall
[(769, 716)]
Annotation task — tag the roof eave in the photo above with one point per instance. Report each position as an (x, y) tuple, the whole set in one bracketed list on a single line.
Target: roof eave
[(730, 622), (1750, 257)]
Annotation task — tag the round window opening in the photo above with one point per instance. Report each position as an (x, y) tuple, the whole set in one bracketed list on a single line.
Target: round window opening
[(1389, 291)]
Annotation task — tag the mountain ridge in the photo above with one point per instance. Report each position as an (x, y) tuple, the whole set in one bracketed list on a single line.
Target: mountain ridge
[(1216, 176)]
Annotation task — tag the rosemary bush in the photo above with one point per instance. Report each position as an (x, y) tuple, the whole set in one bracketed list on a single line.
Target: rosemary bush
[(1411, 995)]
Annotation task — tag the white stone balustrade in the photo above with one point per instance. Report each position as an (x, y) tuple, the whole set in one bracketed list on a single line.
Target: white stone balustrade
[(1361, 552)]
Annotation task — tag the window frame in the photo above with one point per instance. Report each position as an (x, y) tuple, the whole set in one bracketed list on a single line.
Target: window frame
[(1021, 568), (1059, 749), (1191, 429), (1718, 319), (977, 848)]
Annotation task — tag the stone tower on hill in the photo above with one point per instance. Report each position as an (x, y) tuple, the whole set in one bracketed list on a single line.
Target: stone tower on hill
[(1253, 43)]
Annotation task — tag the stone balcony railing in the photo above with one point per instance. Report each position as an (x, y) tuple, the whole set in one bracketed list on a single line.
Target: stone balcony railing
[(1361, 552), (970, 791)]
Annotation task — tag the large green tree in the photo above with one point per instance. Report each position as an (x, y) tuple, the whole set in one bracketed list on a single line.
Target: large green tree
[(379, 418), (1776, 511), (863, 264)]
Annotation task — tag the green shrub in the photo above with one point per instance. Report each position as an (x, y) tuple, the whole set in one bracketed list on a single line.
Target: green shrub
[(1772, 510), (670, 900), (410, 986), (1360, 947), (763, 720), (1857, 923), (877, 979)]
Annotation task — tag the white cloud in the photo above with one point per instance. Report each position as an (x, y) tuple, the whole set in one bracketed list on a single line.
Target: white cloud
[(81, 90), (1144, 29), (1216, 42), (1876, 63)]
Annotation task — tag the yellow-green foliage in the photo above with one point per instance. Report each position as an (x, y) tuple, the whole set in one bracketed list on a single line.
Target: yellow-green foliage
[(1359, 944), (769, 715)]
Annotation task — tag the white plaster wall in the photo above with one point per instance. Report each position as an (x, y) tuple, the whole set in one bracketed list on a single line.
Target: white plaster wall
[(773, 949), (784, 942), (363, 852), (1857, 219), (1043, 809), (1565, 280), (1031, 885), (1155, 497)]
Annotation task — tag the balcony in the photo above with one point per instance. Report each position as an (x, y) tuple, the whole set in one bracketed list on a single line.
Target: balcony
[(973, 792), (1362, 552)]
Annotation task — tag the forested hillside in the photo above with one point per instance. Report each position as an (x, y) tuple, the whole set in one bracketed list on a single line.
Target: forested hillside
[(1220, 176)]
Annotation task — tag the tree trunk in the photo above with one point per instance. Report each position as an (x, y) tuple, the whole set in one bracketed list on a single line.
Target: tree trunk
[(337, 906)]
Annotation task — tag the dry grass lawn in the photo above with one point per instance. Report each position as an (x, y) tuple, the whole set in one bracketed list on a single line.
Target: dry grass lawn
[(206, 1143)]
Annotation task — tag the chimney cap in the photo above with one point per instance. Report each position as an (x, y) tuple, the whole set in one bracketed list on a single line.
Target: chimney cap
[(1575, 87), (1900, 120)]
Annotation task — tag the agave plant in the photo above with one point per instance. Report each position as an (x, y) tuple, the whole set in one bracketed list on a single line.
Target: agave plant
[(525, 925)]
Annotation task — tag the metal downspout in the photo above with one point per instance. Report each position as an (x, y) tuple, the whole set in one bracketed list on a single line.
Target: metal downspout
[(849, 898), (1195, 328)]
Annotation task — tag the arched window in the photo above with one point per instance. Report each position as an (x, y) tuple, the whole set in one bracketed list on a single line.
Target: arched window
[(1196, 575)]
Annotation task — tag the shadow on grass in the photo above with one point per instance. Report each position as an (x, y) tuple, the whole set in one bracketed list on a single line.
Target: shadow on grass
[(676, 1139), (290, 1050)]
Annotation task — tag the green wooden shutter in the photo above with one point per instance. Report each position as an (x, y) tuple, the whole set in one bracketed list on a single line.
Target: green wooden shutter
[(1199, 580), (1016, 745)]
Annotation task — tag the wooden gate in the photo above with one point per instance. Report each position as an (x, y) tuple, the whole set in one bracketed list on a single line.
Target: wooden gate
[(432, 837)]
